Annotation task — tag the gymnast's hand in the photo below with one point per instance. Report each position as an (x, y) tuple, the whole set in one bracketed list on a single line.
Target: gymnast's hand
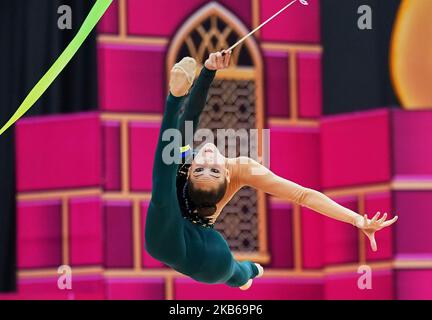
[(370, 226), (218, 60)]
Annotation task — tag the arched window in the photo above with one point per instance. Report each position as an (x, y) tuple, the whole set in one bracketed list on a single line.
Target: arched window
[(235, 102)]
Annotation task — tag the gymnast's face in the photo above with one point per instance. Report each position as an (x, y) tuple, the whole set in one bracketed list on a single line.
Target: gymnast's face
[(208, 169)]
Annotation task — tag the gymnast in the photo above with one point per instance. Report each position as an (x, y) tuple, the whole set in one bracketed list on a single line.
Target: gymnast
[(187, 198)]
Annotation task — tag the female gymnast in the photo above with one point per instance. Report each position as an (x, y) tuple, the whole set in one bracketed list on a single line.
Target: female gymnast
[(188, 198)]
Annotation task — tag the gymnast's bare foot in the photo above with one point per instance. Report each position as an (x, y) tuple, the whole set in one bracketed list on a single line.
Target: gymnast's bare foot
[(182, 76), (250, 281)]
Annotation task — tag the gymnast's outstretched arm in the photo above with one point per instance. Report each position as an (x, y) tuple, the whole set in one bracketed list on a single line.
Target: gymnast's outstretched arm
[(198, 96), (196, 101), (259, 177)]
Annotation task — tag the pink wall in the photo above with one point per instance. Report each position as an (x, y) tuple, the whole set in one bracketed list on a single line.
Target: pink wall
[(150, 18), (294, 154), (45, 288), (118, 237), (414, 284), (312, 233), (381, 202), (39, 234), (413, 230), (143, 142), (341, 239), (309, 85), (280, 235), (277, 84), (111, 155), (110, 21), (345, 286), (355, 149), (300, 23), (135, 289), (412, 144), (131, 78), (262, 289), (58, 152), (86, 231)]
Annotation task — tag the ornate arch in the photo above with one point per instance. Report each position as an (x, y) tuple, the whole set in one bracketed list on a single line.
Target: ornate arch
[(213, 28), (214, 9)]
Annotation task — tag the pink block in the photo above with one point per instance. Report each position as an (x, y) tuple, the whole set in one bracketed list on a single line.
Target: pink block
[(241, 8), (355, 149), (112, 155), (90, 287), (83, 288), (151, 18), (143, 143), (309, 85), (341, 239), (131, 78), (262, 289), (412, 144), (345, 286), (413, 230), (277, 84), (295, 155), (39, 234), (58, 152), (147, 260), (312, 235), (118, 239), (381, 202), (298, 24), (42, 289), (281, 235), (136, 289), (414, 284), (85, 231), (109, 22)]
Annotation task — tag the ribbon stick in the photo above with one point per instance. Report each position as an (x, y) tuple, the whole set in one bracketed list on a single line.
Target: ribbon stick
[(38, 90), (303, 2)]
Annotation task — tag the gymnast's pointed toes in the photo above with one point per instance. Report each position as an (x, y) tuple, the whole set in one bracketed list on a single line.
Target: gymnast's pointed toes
[(260, 270), (247, 285)]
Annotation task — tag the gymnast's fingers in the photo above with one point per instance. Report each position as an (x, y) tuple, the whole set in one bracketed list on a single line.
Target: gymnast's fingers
[(227, 58), (383, 219), (219, 60), (212, 59), (374, 219), (390, 222)]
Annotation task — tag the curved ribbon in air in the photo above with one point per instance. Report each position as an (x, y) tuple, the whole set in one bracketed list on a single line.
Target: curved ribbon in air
[(38, 90)]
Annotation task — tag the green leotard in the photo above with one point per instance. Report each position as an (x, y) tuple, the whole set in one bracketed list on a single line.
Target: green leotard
[(196, 251)]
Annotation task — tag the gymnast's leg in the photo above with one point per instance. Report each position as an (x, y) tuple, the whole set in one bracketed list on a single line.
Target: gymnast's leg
[(220, 266), (164, 223), (242, 274), (164, 235), (164, 232)]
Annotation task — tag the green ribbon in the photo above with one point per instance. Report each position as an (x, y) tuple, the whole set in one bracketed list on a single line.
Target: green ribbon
[(38, 90)]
